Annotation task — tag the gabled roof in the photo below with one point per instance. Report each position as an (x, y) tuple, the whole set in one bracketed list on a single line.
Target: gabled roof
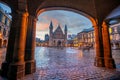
[(58, 30)]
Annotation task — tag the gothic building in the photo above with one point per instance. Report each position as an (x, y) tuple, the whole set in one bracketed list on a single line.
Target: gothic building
[(57, 38)]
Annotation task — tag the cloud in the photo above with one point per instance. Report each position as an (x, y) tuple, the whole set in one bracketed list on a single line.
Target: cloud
[(42, 26), (75, 22)]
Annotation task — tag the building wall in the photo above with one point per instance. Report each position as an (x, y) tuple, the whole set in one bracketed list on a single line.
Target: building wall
[(5, 22), (114, 31), (86, 38)]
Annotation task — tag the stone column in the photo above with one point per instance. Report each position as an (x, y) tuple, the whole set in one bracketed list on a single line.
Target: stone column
[(109, 61), (17, 66), (30, 46), (99, 59)]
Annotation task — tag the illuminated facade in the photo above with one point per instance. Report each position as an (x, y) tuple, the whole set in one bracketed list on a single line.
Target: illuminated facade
[(75, 42), (114, 31), (4, 28), (57, 38), (86, 38), (22, 44)]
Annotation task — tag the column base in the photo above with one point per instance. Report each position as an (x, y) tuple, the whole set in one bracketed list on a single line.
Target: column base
[(109, 63), (16, 71), (99, 62), (4, 69), (30, 67)]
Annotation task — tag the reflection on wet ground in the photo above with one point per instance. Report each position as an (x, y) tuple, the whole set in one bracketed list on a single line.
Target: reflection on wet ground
[(70, 64)]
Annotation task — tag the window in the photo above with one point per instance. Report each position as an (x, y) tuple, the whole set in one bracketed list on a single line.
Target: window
[(3, 19), (6, 21), (0, 28), (4, 32), (118, 29)]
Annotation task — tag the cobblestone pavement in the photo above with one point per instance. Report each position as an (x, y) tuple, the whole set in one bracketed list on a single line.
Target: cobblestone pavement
[(71, 64)]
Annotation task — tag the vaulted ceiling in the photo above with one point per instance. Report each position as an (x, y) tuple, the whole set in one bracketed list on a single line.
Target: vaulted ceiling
[(99, 9)]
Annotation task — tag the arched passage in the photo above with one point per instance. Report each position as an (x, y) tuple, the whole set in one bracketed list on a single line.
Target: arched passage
[(29, 55), (21, 19), (39, 11)]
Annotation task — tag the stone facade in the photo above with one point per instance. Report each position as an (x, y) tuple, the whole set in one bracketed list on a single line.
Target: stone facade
[(21, 43), (115, 35), (4, 28), (57, 38), (86, 38)]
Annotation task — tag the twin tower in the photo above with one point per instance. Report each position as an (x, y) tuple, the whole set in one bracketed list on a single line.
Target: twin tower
[(57, 38)]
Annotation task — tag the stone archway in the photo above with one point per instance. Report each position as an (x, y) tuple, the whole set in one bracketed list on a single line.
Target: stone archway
[(99, 59), (20, 56)]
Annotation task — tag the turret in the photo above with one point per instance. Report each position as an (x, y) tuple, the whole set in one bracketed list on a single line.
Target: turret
[(51, 29), (50, 33), (51, 25), (65, 30)]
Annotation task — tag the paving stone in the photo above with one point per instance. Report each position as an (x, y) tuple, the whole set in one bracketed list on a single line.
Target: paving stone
[(71, 64)]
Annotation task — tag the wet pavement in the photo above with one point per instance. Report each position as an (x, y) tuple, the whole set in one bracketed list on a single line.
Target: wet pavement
[(71, 64)]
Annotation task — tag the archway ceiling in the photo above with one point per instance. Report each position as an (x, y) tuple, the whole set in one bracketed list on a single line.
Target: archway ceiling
[(115, 14), (99, 9), (95, 8)]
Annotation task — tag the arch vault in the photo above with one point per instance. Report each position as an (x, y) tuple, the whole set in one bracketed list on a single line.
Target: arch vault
[(21, 44)]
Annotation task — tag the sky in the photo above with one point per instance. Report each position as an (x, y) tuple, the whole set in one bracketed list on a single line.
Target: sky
[(74, 21)]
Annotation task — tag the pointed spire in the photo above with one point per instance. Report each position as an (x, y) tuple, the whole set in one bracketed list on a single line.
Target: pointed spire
[(58, 25), (51, 25), (65, 28)]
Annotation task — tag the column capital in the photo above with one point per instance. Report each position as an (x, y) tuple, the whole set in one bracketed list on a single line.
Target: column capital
[(105, 23), (33, 17), (18, 12)]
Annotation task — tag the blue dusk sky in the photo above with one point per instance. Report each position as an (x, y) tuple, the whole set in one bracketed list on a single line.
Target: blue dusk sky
[(74, 21)]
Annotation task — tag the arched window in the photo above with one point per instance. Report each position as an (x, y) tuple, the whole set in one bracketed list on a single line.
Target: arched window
[(4, 32)]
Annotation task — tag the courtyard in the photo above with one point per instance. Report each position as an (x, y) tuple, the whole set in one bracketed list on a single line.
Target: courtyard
[(71, 64)]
